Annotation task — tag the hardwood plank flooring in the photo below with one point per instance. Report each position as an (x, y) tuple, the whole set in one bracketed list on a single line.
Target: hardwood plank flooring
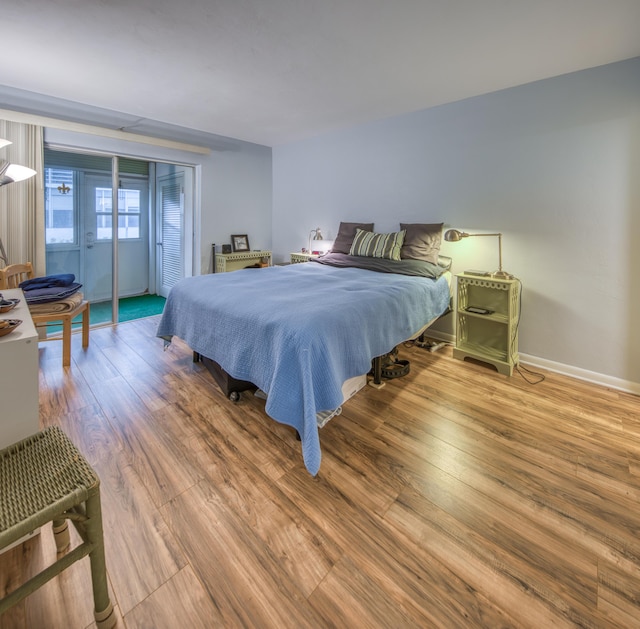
[(452, 497)]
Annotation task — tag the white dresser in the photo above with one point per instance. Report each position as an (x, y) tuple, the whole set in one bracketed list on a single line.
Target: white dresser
[(18, 375)]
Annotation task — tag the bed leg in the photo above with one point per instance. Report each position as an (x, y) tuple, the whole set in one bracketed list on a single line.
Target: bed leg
[(377, 373)]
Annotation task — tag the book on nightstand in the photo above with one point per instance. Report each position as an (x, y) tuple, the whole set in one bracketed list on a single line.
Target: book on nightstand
[(478, 273)]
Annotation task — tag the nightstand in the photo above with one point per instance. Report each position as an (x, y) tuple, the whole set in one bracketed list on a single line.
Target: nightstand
[(302, 257), (490, 337), (226, 262)]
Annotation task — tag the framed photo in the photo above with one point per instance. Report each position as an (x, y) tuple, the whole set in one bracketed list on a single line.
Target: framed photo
[(240, 242)]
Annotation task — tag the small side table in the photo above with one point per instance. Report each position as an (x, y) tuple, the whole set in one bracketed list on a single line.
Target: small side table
[(297, 258)]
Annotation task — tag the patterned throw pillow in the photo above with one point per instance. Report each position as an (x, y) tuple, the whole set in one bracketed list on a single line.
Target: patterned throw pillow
[(371, 245)]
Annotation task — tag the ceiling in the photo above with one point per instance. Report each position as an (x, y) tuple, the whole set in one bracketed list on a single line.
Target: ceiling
[(276, 71)]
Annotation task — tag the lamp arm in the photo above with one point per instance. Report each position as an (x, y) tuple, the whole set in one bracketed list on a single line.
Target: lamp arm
[(499, 235)]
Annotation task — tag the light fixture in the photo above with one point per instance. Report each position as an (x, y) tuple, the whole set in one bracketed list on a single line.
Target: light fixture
[(320, 245), (10, 173), (453, 235)]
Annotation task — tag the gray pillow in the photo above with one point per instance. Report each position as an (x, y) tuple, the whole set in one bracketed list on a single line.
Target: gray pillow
[(346, 234), (422, 241)]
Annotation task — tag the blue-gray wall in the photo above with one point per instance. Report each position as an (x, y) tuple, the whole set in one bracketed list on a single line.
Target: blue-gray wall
[(554, 165)]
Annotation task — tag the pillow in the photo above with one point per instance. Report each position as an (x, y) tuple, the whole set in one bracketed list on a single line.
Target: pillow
[(346, 233), (422, 241), (445, 262), (371, 245)]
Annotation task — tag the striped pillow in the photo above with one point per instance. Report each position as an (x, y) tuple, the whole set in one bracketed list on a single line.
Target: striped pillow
[(372, 245)]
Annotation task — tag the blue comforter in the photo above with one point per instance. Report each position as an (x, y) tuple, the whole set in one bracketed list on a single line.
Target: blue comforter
[(299, 331)]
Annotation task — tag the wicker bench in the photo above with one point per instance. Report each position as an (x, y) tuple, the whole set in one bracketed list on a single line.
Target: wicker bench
[(44, 478)]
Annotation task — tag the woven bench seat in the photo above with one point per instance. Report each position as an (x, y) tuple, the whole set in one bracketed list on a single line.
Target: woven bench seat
[(43, 479)]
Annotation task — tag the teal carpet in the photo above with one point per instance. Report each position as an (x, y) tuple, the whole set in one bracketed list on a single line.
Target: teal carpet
[(129, 308)]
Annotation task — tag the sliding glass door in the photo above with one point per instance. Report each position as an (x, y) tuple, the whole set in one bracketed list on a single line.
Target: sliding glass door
[(132, 234), (145, 237), (80, 216)]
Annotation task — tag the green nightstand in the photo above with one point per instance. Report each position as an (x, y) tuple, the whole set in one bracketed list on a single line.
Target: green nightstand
[(296, 258), (492, 337)]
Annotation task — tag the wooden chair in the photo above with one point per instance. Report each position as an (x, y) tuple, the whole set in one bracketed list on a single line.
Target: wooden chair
[(12, 275), (46, 479)]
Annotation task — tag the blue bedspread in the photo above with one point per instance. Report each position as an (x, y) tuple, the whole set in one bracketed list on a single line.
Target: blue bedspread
[(299, 331)]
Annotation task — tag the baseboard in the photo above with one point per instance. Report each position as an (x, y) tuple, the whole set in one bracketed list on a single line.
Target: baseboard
[(582, 374), (566, 370)]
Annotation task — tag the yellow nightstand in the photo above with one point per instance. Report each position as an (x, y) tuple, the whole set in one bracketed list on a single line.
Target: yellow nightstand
[(241, 259), (487, 312)]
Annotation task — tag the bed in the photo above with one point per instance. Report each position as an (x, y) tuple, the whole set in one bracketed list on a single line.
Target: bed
[(298, 332)]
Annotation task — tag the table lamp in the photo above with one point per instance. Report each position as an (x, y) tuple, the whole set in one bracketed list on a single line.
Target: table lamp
[(320, 245), (453, 235)]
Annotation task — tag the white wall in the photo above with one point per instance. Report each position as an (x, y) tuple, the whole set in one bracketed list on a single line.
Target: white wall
[(553, 165)]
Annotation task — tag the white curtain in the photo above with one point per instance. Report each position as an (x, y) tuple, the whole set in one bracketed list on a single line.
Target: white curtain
[(22, 203)]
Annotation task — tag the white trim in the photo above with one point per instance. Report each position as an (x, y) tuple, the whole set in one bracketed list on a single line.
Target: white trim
[(582, 374), (196, 264), (116, 134), (566, 370)]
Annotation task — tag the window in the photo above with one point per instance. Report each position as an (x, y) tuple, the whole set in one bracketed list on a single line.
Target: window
[(78, 198), (128, 214), (60, 226)]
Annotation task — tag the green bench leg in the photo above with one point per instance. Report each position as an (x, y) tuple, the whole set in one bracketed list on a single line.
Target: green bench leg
[(105, 618), (61, 535)]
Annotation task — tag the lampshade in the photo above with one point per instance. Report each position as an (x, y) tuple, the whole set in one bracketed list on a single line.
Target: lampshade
[(454, 235), (4, 143), (10, 173)]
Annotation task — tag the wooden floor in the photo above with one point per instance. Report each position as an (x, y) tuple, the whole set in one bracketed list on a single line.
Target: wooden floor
[(452, 497)]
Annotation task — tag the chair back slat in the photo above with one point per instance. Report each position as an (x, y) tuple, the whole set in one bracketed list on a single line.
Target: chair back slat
[(12, 275)]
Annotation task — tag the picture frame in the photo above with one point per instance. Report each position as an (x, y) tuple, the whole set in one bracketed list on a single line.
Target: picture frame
[(240, 242)]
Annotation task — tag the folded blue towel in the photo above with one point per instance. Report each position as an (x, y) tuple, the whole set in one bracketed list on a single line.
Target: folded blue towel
[(52, 293), (48, 281)]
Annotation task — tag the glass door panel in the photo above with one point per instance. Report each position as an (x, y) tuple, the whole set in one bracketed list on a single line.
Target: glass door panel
[(132, 234), (71, 229)]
